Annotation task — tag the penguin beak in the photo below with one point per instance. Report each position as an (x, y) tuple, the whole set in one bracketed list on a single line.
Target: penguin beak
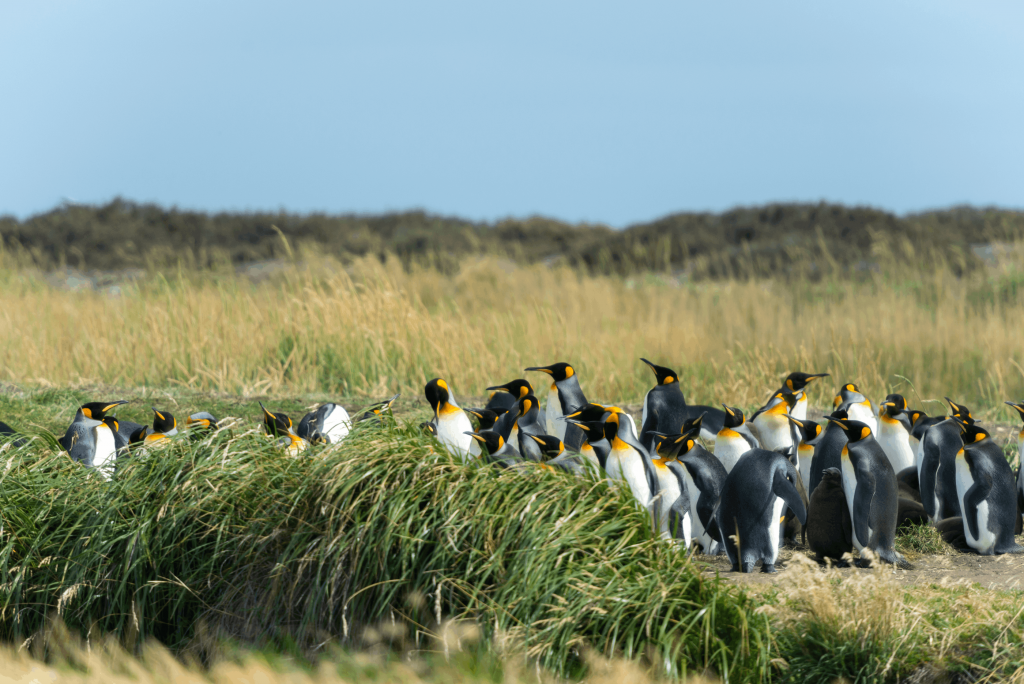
[(108, 407), (794, 421), (541, 369)]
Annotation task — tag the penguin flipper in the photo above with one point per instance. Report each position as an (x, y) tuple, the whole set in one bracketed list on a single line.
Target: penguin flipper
[(862, 506), (977, 493), (785, 490), (1018, 522)]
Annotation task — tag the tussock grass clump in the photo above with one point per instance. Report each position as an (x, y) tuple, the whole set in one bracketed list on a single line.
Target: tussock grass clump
[(228, 532), (921, 539)]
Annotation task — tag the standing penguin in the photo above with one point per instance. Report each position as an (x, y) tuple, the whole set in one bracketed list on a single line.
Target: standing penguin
[(705, 476), (894, 432), (451, 422), (771, 422), (919, 424), (985, 488), (666, 410), (734, 439), (872, 494), (937, 475), (829, 529), (1019, 408), (828, 451), (857, 406), (675, 521), (596, 446), (795, 382), (631, 464), (570, 397), (754, 495), (810, 434)]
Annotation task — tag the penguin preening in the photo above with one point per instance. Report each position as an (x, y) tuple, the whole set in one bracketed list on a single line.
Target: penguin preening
[(734, 439), (665, 408), (749, 513), (985, 489), (872, 494), (570, 398), (279, 425), (450, 421), (329, 423), (894, 429), (486, 418), (201, 420)]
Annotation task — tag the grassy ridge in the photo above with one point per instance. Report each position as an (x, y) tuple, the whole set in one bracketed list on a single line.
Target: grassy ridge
[(230, 533), (370, 329)]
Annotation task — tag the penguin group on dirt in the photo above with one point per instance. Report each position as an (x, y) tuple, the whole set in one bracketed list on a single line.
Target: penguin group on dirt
[(714, 480)]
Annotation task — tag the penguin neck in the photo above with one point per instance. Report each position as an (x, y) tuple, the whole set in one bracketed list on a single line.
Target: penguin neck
[(447, 408), (570, 395)]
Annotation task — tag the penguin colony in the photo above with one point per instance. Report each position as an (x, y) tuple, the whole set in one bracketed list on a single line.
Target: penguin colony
[(710, 479)]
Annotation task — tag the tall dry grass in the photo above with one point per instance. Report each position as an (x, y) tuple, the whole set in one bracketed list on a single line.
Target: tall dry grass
[(370, 329)]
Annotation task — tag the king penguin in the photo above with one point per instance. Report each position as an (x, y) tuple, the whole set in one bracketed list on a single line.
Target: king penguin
[(749, 513), (829, 530), (894, 432), (675, 518), (734, 439), (595, 447), (665, 408), (630, 463), (495, 450), (810, 434), (771, 423), (570, 398), (937, 474), (451, 422), (872, 494), (985, 488), (98, 410), (201, 420), (919, 424), (828, 451), (795, 382), (511, 392), (91, 443), (379, 410), (279, 425), (329, 423), (857, 406), (705, 476)]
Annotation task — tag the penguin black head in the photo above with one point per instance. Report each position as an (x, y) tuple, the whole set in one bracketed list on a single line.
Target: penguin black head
[(97, 410), (557, 371), (733, 417), (971, 433), (916, 415), (437, 394), (848, 393), (831, 477), (550, 445), (809, 430), (488, 438), (670, 446), (693, 424), (854, 429), (960, 411), (665, 376), (593, 431), (797, 381), (201, 420), (485, 417), (588, 413), (839, 414), (137, 437), (111, 423), (527, 404), (162, 421), (429, 427), (276, 424), (895, 404), (517, 388), (1019, 407), (379, 408)]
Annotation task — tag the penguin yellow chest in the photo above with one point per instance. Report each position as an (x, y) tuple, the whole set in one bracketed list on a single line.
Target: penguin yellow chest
[(805, 461), (895, 442), (774, 429), (729, 446), (452, 426), (626, 464)]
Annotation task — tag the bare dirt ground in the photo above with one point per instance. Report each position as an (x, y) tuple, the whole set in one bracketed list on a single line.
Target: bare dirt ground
[(1004, 572)]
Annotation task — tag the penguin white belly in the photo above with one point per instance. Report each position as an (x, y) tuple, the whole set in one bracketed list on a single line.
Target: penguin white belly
[(697, 530), (850, 488), (774, 526), (631, 467), (864, 414), (895, 442), (729, 446), (806, 460), (773, 431), (709, 437), (985, 542), (552, 412), (799, 410), (451, 427), (669, 492), (106, 453), (337, 425)]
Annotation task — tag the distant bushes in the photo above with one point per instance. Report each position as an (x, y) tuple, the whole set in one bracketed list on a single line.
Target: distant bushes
[(799, 240)]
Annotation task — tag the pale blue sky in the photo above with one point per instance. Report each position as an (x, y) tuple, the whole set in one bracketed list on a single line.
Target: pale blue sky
[(596, 111)]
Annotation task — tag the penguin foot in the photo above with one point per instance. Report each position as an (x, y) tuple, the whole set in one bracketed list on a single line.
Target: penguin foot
[(863, 563), (735, 567), (748, 566), (768, 567), (835, 562)]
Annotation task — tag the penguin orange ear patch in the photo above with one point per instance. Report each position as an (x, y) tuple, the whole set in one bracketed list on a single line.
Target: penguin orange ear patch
[(865, 432), (851, 388), (669, 380), (980, 436), (789, 384), (689, 444), (817, 429), (569, 372)]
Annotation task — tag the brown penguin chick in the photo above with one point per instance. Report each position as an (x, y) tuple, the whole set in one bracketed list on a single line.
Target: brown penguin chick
[(907, 481), (952, 532), (829, 528), (909, 513)]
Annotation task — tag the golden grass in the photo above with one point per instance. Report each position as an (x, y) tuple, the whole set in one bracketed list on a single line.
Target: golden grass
[(370, 329)]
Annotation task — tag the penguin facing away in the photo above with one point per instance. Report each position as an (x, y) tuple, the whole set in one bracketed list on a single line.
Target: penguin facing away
[(749, 513), (919, 424), (329, 423), (857, 406), (937, 475), (828, 451), (871, 492), (985, 488), (894, 429), (665, 408), (705, 476), (570, 397)]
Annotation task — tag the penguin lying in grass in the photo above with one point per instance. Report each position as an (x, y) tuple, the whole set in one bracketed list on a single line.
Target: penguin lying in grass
[(10, 435)]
